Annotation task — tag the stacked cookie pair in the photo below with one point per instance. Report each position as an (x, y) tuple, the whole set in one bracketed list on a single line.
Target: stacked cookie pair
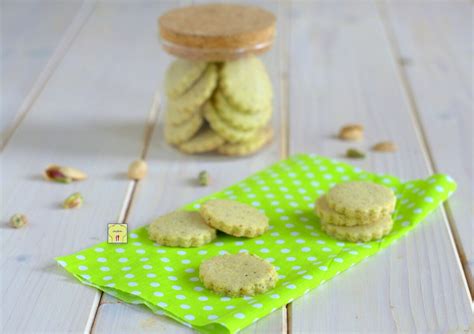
[(223, 107), (356, 211)]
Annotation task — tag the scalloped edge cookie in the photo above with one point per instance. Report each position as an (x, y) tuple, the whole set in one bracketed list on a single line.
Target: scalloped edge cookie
[(238, 119), (362, 233), (197, 94), (238, 275), (222, 128), (181, 75), (361, 199), (181, 229), (332, 217), (177, 134), (246, 84), (250, 146), (205, 140), (234, 218)]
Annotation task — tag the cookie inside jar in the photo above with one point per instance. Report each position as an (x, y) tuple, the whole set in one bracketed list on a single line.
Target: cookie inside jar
[(217, 85)]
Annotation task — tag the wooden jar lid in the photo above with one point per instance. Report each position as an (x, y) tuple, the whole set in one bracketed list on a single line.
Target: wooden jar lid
[(217, 31)]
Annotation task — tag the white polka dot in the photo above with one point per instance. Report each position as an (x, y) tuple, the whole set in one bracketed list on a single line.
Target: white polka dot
[(285, 250), (167, 268), (189, 270), (140, 251), (225, 299), (326, 249), (198, 288), (126, 268), (239, 315), (120, 250), (172, 278), (418, 210), (129, 275), (83, 268), (275, 296), (323, 268), (82, 257), (264, 250), (203, 298), (176, 287), (353, 252), (86, 276), (155, 284), (439, 189), (239, 243), (259, 242), (279, 242), (194, 279), (133, 235), (136, 293), (186, 261), (289, 225), (291, 259), (307, 277), (220, 243), (162, 304), (305, 249), (294, 234), (62, 263), (151, 275), (132, 284), (212, 317), (338, 259), (123, 259), (99, 250), (230, 307), (144, 259), (291, 286), (311, 258), (107, 278), (257, 305), (300, 241), (165, 259), (185, 306)]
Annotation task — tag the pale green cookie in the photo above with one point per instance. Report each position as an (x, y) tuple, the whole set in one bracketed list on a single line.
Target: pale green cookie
[(252, 145), (206, 140), (177, 134), (361, 199), (362, 233), (181, 229), (226, 131), (234, 218), (246, 84), (238, 275), (195, 96), (181, 75), (176, 117), (330, 216), (238, 119)]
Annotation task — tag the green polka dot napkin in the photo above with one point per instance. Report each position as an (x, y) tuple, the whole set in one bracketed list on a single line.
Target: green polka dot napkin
[(166, 279)]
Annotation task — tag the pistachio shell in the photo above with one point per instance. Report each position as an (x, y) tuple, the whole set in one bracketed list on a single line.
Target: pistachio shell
[(63, 174), (74, 173)]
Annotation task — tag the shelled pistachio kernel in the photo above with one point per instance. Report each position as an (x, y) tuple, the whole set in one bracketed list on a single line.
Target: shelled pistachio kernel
[(355, 153), (385, 146), (351, 132), (18, 220), (137, 169), (203, 178), (73, 201)]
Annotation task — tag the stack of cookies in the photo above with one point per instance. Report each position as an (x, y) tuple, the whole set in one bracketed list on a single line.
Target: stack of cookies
[(356, 211), (223, 107)]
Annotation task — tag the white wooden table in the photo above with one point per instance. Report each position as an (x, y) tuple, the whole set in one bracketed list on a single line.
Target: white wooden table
[(78, 80)]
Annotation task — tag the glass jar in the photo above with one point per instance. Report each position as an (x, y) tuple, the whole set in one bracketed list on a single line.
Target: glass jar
[(219, 95)]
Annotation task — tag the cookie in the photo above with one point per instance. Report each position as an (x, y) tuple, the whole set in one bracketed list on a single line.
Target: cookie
[(362, 233), (234, 218), (252, 145), (246, 84), (238, 275), (181, 229), (240, 120), (226, 131), (332, 217), (197, 94), (205, 140), (181, 75), (176, 117), (361, 199), (177, 134)]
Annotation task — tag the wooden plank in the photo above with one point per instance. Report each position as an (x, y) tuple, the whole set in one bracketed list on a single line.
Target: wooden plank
[(342, 71), (91, 115), (435, 43), (35, 36), (170, 184)]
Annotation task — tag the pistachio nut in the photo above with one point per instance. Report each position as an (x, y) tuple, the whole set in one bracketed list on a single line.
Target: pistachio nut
[(137, 169), (63, 174), (355, 153), (73, 201), (385, 146), (351, 132), (203, 178), (18, 220)]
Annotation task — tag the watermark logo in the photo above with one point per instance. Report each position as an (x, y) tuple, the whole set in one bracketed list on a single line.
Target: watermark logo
[(117, 233)]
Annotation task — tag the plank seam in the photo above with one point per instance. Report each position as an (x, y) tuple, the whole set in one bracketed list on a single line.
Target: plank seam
[(132, 189), (68, 38), (421, 134)]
